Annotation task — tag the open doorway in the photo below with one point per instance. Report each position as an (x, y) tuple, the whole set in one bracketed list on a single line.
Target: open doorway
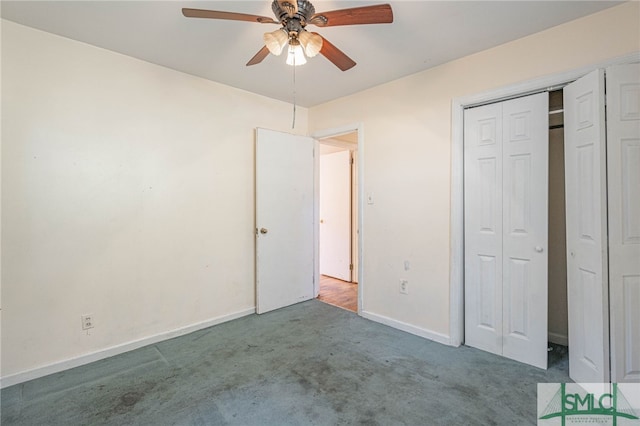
[(338, 224)]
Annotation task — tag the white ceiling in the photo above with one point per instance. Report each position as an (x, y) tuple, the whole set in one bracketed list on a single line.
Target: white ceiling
[(424, 34)]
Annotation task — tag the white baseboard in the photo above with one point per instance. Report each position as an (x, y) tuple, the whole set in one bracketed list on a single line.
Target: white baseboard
[(422, 332), (559, 339), (56, 367)]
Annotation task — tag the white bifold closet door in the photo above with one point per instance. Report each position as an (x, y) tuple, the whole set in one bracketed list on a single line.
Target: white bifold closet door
[(586, 195), (506, 220), (623, 170)]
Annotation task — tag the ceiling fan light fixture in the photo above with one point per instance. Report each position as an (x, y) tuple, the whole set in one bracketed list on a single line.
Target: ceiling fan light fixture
[(294, 16), (276, 40), (312, 43), (296, 55)]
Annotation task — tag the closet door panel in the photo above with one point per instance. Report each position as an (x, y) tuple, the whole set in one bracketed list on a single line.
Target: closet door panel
[(483, 227), (623, 158), (586, 195), (525, 225)]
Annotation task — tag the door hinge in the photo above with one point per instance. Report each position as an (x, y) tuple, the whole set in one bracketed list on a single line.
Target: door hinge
[(351, 266)]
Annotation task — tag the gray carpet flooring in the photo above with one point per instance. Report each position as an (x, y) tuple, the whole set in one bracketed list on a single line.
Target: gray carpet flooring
[(307, 364)]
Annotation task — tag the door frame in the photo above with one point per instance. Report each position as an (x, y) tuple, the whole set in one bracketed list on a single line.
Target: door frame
[(547, 83), (329, 133)]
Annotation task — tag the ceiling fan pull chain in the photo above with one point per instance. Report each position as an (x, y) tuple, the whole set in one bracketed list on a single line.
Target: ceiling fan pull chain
[(293, 125)]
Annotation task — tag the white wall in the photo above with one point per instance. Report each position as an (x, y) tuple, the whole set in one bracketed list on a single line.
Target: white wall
[(127, 193), (407, 149)]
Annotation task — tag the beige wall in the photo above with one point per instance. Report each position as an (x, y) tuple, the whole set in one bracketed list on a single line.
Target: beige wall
[(127, 193), (407, 155)]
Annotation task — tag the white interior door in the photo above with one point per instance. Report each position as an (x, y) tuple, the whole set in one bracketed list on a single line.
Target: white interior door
[(284, 219), (483, 227), (623, 170), (506, 221), (335, 215), (525, 228), (585, 182)]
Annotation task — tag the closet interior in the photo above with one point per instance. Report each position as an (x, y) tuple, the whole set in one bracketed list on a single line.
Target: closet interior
[(557, 295)]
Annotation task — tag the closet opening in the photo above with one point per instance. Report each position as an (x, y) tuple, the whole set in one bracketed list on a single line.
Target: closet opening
[(601, 227), (557, 313)]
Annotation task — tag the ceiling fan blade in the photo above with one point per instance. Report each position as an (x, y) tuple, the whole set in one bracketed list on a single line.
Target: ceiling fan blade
[(335, 55), (231, 16), (376, 14), (259, 57)]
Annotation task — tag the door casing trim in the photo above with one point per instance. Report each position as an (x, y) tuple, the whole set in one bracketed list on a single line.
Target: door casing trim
[(334, 132)]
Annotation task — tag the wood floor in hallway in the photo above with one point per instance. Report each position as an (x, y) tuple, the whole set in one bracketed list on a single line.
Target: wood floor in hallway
[(338, 293)]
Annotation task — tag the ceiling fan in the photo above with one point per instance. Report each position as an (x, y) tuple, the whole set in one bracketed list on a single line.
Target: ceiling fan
[(294, 16)]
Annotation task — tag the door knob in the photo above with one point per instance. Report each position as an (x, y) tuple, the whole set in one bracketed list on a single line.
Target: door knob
[(263, 230), (539, 249)]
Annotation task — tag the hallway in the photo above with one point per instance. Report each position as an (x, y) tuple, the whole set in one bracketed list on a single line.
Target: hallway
[(338, 293)]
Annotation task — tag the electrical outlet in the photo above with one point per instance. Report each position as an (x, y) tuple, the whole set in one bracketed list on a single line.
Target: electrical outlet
[(87, 321), (404, 286)]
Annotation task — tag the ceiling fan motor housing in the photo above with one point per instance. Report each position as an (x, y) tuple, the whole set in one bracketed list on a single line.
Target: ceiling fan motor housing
[(286, 10)]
